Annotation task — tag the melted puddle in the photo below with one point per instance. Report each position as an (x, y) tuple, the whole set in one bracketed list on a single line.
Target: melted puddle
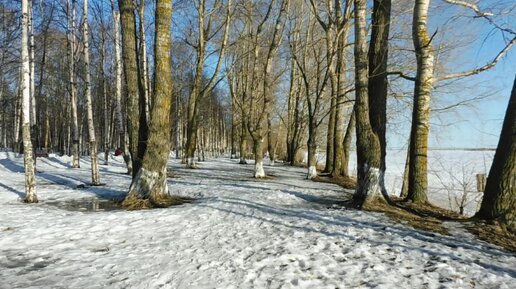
[(86, 205)]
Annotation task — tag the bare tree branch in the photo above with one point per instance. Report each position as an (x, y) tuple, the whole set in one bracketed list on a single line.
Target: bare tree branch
[(480, 69), (472, 6), (402, 75)]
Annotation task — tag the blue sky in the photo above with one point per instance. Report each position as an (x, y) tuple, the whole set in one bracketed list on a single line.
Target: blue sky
[(480, 125), (471, 42)]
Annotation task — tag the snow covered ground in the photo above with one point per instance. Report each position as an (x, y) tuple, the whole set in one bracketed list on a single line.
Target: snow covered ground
[(281, 232), (451, 175)]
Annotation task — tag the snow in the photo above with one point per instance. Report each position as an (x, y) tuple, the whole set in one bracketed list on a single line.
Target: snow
[(240, 232)]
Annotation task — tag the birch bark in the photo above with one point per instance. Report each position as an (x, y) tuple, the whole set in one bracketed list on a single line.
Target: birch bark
[(30, 180), (95, 176)]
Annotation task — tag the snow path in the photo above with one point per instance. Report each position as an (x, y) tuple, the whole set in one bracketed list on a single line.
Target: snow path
[(239, 233)]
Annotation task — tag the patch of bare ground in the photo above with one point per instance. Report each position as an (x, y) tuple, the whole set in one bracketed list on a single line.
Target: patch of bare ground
[(429, 218), (424, 217), (133, 203), (349, 183), (494, 233)]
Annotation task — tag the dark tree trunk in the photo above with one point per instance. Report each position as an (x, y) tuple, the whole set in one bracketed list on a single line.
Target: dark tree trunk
[(347, 145), (368, 144), (499, 202), (136, 119), (149, 187), (377, 88)]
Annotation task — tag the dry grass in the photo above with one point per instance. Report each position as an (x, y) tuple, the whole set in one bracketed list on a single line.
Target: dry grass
[(494, 233), (164, 201), (407, 214), (429, 217), (349, 183), (425, 217)]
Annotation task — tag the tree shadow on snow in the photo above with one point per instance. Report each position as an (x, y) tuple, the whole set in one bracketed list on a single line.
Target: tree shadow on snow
[(12, 166), (62, 180), (13, 190), (342, 222), (321, 200), (59, 164)]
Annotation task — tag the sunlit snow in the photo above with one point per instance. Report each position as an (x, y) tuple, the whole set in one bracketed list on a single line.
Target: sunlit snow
[(279, 232)]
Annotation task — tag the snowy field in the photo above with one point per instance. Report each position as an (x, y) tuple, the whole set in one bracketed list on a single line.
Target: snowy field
[(281, 232), (451, 175)]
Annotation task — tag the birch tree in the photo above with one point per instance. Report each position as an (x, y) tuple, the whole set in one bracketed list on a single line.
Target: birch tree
[(424, 85), (144, 67), (95, 176), (72, 90), (100, 39), (418, 162), (30, 179), (32, 67)]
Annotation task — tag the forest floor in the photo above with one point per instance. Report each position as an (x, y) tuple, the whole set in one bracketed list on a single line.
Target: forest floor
[(280, 232)]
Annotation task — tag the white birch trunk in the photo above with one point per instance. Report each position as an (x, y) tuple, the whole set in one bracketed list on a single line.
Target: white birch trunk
[(73, 90), (32, 67), (95, 177), (106, 127), (418, 160), (143, 55), (30, 181), (17, 113)]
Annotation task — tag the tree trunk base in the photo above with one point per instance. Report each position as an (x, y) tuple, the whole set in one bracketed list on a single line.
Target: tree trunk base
[(163, 201), (31, 199), (312, 172), (150, 190), (259, 173), (97, 184), (190, 163), (369, 190)]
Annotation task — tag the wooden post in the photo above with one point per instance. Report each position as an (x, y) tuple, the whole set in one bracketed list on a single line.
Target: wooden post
[(481, 182)]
